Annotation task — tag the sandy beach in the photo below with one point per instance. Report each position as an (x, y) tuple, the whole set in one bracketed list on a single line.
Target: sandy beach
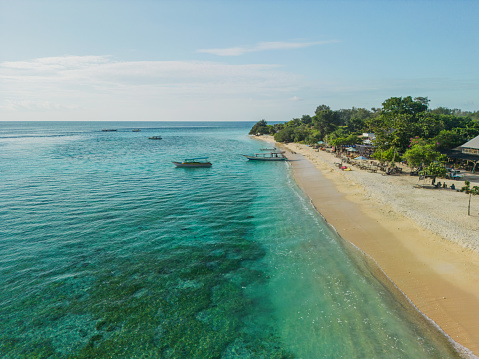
[(422, 238)]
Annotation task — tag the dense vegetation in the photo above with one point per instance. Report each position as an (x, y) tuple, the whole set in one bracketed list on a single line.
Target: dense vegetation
[(404, 128)]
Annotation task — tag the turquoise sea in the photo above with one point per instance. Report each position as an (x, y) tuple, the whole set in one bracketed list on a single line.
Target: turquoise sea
[(107, 250)]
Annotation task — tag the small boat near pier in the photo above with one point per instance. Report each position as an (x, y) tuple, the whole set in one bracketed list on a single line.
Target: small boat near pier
[(267, 156), (198, 162)]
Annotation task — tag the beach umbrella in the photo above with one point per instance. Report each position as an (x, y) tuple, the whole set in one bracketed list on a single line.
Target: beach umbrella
[(351, 149), (361, 158)]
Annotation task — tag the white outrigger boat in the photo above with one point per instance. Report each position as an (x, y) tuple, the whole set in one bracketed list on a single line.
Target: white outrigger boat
[(267, 156), (194, 163)]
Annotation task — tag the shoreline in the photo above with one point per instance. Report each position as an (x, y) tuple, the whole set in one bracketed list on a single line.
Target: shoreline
[(429, 254)]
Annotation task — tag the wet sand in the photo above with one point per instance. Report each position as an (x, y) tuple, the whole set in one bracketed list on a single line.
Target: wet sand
[(438, 275)]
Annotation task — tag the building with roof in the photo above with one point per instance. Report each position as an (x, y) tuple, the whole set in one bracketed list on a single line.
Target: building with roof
[(471, 147), (466, 155)]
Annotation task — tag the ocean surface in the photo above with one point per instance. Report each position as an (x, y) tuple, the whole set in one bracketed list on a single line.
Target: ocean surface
[(107, 250)]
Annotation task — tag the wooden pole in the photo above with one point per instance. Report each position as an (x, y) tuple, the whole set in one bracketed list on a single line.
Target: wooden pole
[(469, 207)]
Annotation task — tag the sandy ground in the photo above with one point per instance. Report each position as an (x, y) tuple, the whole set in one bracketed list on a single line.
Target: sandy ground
[(422, 238)]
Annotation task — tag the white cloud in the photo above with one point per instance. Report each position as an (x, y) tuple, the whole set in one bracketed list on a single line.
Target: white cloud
[(100, 87), (98, 71), (295, 98), (40, 106), (96, 85), (263, 46)]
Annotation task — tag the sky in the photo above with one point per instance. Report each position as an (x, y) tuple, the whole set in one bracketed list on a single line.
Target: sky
[(231, 60)]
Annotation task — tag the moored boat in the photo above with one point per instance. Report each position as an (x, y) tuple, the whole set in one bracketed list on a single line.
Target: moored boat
[(197, 162), (155, 138), (267, 156), (136, 130)]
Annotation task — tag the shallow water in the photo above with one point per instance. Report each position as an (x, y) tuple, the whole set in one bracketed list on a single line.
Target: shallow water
[(108, 250)]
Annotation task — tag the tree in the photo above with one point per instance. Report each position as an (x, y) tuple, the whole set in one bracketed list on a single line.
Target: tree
[(451, 121), (474, 191), (406, 105), (295, 122), (306, 120), (423, 100), (322, 108), (313, 138), (346, 115), (400, 119), (428, 126), (278, 126), (261, 127), (433, 170), (339, 141), (471, 130), (394, 131), (284, 135), (442, 111), (448, 139), (421, 153), (325, 121), (355, 125), (341, 131), (389, 155), (299, 134)]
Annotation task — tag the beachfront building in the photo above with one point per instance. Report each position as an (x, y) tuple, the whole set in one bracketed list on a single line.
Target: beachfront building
[(471, 147), (466, 155)]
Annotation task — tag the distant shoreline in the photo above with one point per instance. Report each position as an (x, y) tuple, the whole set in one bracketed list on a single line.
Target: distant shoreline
[(436, 274)]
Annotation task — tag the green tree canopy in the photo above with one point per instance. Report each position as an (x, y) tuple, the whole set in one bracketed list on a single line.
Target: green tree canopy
[(325, 121), (343, 140), (388, 155), (448, 139), (405, 106), (306, 120), (284, 135), (262, 128), (355, 125), (421, 153), (358, 114), (399, 120), (434, 170)]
